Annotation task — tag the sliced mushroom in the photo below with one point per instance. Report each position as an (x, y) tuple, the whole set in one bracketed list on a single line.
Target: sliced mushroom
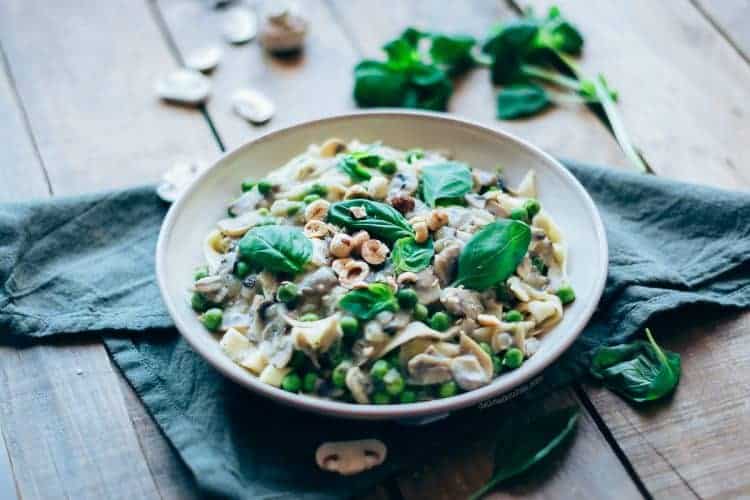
[(319, 282), (462, 302), (427, 287), (315, 336), (473, 368), (414, 330), (245, 203), (530, 274), (446, 261), (350, 457), (359, 384), (427, 369)]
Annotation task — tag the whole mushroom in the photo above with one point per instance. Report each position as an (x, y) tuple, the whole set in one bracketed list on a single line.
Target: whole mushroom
[(283, 31)]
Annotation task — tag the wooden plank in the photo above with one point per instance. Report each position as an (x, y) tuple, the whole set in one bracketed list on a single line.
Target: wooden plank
[(565, 131), (590, 469), (586, 468), (684, 91), (98, 126), (694, 445), (315, 84), (732, 19), (691, 124)]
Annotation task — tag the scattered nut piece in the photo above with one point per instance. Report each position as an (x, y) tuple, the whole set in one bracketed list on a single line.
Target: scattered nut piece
[(354, 272), (358, 212), (437, 219), (338, 265), (377, 188), (407, 277), (341, 245), (316, 210), (488, 320), (358, 239), (356, 191), (421, 233), (374, 251), (403, 204), (316, 229), (332, 147)]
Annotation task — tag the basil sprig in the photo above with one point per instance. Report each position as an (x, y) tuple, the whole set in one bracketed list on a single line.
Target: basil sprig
[(408, 255), (276, 248), (381, 221), (493, 254), (518, 449), (640, 371), (445, 181), (366, 303)]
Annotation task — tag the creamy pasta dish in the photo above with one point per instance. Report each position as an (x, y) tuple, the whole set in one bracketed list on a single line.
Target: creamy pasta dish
[(367, 274)]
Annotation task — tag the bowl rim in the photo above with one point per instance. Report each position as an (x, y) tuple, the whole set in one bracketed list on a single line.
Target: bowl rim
[(395, 411)]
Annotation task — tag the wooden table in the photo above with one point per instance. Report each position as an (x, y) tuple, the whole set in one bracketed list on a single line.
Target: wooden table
[(78, 113)]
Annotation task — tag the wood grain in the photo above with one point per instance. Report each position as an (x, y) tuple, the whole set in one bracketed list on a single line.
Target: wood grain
[(691, 124), (316, 83), (566, 131), (684, 92), (732, 19), (590, 468), (87, 97)]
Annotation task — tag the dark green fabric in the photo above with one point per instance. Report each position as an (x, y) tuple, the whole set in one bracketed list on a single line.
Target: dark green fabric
[(86, 264)]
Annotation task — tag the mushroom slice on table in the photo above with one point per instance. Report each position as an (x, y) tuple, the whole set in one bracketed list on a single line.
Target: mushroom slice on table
[(350, 457)]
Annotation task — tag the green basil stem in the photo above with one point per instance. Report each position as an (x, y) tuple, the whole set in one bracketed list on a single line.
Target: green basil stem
[(610, 110), (553, 77), (659, 353)]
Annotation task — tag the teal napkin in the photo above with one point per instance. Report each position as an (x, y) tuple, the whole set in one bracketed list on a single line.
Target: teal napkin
[(86, 265)]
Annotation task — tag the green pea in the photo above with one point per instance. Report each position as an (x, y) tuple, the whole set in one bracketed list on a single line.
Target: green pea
[(309, 317), (293, 209), (381, 398), (288, 292), (241, 269), (310, 198), (497, 364), (200, 273), (318, 189), (440, 321), (407, 397), (532, 207), (513, 316), (513, 358), (486, 347), (388, 167), (309, 382), (519, 214), (379, 369), (247, 186), (338, 377), (291, 382), (447, 389), (420, 312), (566, 294), (212, 319), (263, 211), (394, 382), (199, 302), (349, 326), (264, 187), (407, 298)]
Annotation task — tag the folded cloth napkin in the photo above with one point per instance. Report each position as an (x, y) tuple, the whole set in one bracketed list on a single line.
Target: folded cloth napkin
[(86, 265)]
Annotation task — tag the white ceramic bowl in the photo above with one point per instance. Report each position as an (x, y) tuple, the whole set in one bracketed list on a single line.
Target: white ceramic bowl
[(179, 249)]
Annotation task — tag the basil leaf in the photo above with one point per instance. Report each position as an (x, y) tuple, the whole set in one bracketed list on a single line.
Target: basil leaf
[(376, 84), (276, 248), (366, 303), (445, 181), (516, 450), (408, 255), (381, 221), (356, 171), (640, 371), (518, 101), (452, 52), (493, 254)]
